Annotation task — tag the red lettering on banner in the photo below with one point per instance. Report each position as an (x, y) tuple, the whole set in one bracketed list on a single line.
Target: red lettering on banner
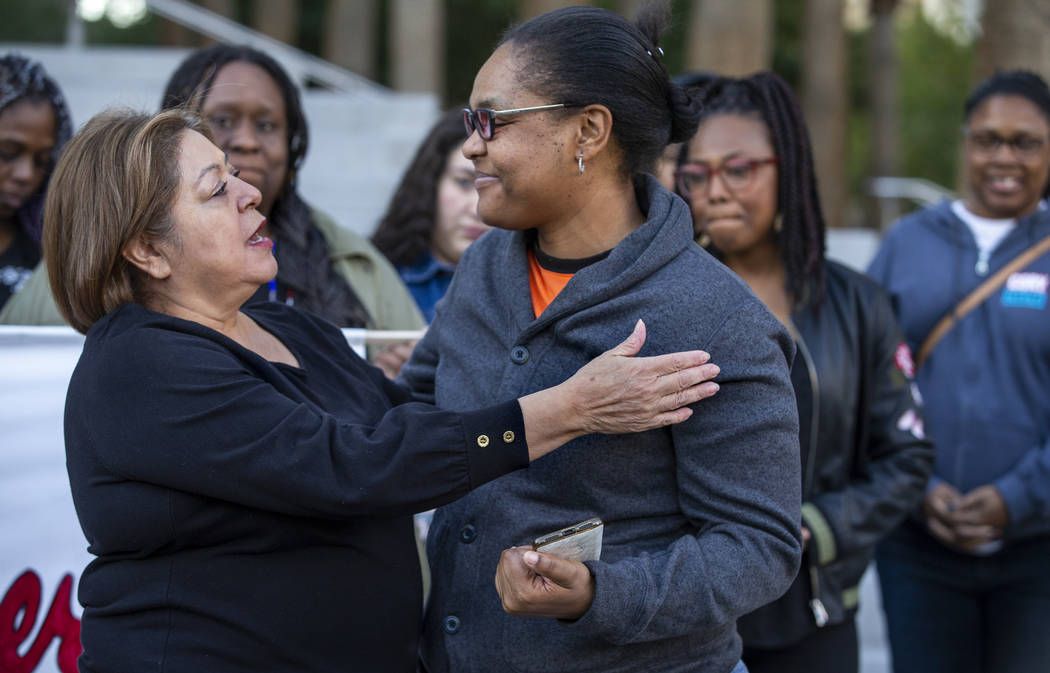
[(24, 596)]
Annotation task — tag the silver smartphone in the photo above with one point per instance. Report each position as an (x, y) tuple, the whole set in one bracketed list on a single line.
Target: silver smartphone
[(581, 542)]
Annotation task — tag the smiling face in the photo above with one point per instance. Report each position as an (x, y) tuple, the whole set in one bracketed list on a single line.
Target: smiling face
[(27, 140), (456, 224), (524, 172), (1006, 183), (248, 117), (216, 257), (741, 219)]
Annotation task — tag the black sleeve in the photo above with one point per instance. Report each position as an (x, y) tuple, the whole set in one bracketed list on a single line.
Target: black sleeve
[(193, 417), (896, 456)]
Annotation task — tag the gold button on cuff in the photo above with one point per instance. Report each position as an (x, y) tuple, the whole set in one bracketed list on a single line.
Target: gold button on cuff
[(508, 436), (483, 441)]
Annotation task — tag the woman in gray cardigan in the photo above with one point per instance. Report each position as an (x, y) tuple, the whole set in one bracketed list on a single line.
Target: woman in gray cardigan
[(701, 521)]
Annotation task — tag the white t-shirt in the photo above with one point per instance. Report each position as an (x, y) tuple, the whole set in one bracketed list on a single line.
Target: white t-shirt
[(988, 233)]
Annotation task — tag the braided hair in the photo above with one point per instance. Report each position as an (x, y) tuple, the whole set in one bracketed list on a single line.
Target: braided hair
[(405, 230), (1022, 83), (22, 78), (801, 238), (302, 252)]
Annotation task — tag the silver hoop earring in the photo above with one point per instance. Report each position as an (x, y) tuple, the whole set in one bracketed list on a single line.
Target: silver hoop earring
[(579, 161)]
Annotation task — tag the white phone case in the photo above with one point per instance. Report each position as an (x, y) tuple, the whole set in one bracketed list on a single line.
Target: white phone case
[(582, 542)]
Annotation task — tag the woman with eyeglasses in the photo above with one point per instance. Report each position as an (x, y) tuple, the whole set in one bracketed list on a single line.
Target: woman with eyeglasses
[(748, 177), (566, 118), (964, 582)]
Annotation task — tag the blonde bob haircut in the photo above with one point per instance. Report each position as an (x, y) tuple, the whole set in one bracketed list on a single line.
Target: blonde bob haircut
[(116, 180)]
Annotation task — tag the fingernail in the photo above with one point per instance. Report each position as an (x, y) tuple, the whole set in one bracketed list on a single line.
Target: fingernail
[(531, 558)]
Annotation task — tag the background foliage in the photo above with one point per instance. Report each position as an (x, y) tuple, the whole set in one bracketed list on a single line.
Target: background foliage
[(935, 69)]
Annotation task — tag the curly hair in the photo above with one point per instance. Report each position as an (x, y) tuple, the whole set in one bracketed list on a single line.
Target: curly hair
[(404, 231)]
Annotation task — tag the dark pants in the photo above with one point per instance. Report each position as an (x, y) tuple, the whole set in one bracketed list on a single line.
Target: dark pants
[(832, 649), (949, 612)]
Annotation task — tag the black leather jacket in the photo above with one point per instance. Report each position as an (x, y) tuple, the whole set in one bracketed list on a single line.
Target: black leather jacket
[(865, 461)]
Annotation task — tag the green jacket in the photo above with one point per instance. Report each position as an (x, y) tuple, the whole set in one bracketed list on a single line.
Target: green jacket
[(371, 276)]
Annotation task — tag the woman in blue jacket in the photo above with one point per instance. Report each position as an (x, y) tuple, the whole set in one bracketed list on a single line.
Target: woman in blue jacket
[(748, 176), (433, 215), (965, 583)]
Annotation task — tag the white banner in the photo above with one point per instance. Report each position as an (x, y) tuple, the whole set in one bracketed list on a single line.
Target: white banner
[(42, 549)]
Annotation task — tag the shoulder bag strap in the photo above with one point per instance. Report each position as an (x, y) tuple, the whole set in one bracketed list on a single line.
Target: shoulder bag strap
[(974, 299)]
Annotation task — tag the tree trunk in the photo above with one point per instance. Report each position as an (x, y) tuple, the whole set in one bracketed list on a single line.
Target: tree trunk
[(883, 75), (227, 8), (530, 8), (730, 38), (1014, 34), (417, 45), (629, 8), (824, 101), (277, 18), (350, 35)]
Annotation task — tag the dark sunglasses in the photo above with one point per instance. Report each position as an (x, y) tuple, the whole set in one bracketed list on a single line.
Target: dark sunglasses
[(482, 120)]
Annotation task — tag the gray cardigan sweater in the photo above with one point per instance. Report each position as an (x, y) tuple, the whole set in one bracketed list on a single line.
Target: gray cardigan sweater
[(702, 519)]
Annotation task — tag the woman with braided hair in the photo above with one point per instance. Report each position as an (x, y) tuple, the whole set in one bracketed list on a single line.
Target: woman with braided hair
[(34, 124), (748, 176)]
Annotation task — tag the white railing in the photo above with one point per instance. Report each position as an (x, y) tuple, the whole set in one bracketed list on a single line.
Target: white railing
[(67, 337), (919, 190), (304, 66)]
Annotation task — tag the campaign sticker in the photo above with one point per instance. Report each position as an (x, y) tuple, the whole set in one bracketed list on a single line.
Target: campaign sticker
[(902, 360), (1026, 289), (909, 421)]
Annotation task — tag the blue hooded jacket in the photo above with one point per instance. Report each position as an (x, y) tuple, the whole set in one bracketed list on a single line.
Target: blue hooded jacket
[(986, 385)]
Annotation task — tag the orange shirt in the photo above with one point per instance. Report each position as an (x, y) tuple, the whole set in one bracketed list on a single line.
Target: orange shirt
[(544, 285)]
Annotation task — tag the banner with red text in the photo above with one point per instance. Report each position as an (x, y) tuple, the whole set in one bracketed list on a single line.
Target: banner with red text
[(42, 550)]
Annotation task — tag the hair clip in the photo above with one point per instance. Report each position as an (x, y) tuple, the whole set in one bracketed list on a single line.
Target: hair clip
[(659, 49)]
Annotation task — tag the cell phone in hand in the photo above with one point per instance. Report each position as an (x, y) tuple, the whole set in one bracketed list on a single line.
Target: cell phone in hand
[(581, 542)]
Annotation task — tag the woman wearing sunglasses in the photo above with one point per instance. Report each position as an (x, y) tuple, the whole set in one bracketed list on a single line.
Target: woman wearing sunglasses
[(748, 176), (701, 523)]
